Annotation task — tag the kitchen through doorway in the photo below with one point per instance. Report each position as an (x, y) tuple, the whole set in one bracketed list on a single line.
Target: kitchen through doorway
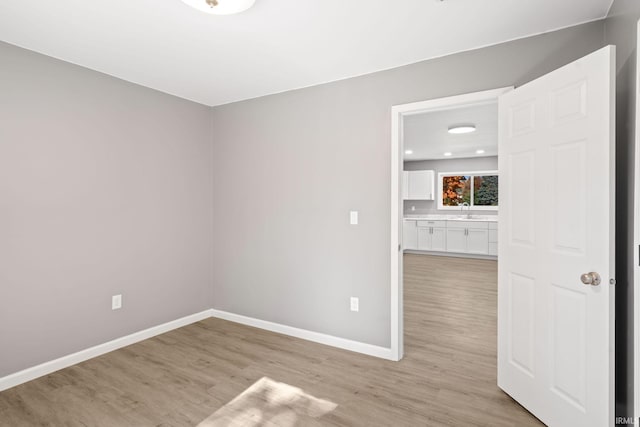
[(448, 203)]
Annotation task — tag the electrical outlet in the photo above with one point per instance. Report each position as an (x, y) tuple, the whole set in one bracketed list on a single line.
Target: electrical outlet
[(353, 217), (116, 302), (355, 304)]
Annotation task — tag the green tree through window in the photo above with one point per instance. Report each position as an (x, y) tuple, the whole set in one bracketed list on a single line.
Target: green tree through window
[(485, 190)]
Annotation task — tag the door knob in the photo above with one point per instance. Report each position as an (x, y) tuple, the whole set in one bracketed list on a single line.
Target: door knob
[(592, 279)]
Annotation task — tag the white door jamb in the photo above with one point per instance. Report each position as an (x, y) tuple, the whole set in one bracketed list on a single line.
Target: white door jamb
[(398, 112)]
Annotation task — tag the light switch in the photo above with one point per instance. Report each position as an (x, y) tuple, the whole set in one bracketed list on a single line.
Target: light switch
[(116, 302), (354, 217)]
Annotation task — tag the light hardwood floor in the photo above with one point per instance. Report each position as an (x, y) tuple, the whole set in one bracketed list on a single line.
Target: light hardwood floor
[(447, 378)]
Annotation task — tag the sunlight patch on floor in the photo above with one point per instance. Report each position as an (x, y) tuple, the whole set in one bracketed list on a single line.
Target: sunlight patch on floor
[(268, 402)]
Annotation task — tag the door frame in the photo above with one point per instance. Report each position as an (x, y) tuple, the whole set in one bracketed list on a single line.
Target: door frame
[(398, 112), (636, 249)]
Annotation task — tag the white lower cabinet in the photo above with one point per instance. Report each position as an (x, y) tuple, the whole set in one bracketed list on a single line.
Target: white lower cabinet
[(439, 239), (469, 237), (465, 237), (409, 235), (493, 238), (432, 239), (424, 238), (477, 241), (456, 240)]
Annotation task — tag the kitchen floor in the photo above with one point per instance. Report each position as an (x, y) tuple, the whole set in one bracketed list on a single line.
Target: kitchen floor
[(218, 373)]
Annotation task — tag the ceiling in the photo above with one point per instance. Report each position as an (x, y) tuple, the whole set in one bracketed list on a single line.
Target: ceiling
[(276, 46), (427, 134)]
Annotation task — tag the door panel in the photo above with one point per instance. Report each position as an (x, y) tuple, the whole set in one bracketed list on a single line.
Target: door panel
[(568, 320), (521, 323), (519, 196), (555, 334)]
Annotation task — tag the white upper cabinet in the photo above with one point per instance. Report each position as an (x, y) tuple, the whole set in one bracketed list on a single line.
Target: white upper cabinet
[(418, 185), (405, 185)]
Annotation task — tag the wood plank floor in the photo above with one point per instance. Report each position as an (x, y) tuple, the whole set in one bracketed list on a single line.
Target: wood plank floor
[(447, 378)]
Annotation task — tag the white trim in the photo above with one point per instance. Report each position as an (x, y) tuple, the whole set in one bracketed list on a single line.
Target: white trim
[(46, 368), (345, 344), (398, 112), (636, 251), (467, 173), (451, 254)]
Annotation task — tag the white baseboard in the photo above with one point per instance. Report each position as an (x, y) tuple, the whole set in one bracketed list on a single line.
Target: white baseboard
[(345, 344), (451, 254), (46, 368)]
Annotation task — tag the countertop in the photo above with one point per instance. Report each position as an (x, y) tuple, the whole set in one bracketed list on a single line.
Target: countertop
[(487, 218)]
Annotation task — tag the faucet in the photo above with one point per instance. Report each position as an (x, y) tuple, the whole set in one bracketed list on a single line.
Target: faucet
[(462, 206)]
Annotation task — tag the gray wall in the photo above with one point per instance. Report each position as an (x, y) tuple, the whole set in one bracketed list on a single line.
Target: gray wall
[(105, 188), (447, 165), (620, 29), (290, 166)]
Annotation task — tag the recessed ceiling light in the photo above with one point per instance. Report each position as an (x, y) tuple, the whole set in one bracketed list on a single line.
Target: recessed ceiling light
[(459, 129), (479, 151), (408, 151), (447, 154), (220, 7)]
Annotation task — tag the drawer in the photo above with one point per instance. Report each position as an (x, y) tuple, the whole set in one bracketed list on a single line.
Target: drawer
[(493, 248), (493, 226), (475, 225), (430, 223), (493, 236)]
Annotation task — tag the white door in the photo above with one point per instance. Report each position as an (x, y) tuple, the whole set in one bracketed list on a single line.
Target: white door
[(556, 154)]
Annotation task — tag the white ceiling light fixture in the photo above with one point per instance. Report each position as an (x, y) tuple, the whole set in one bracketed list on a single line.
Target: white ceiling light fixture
[(220, 7), (448, 154), (479, 151), (460, 129), (408, 151)]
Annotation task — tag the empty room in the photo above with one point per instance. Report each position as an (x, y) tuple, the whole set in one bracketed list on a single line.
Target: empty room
[(343, 213)]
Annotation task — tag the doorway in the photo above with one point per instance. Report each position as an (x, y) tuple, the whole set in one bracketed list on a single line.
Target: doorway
[(400, 187), (556, 239), (448, 257)]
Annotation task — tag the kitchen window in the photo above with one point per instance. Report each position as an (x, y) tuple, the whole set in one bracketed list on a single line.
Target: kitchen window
[(478, 190)]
